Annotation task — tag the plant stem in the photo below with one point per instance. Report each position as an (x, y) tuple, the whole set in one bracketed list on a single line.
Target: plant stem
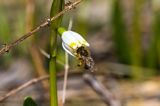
[(53, 82), (57, 6), (52, 69)]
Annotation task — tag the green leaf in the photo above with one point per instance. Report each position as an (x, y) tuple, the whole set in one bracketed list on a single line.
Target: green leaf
[(28, 101)]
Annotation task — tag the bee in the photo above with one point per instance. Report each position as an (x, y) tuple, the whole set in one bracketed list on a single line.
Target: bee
[(85, 59)]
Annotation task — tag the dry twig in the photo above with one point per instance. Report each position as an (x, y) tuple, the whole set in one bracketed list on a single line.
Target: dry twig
[(66, 67), (25, 85), (29, 83), (7, 47), (105, 94)]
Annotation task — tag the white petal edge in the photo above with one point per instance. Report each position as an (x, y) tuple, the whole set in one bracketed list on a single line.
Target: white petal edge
[(66, 49)]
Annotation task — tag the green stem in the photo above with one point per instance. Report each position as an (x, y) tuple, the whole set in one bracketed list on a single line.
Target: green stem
[(57, 6), (52, 69), (53, 84)]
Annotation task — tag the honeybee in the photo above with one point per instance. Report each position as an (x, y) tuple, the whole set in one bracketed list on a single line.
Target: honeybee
[(85, 59)]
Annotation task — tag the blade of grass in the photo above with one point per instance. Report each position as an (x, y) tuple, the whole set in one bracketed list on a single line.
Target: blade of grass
[(136, 40), (57, 6), (119, 33), (157, 34), (152, 55), (4, 27), (5, 35)]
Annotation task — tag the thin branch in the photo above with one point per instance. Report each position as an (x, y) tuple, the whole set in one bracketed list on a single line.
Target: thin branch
[(7, 47), (45, 54), (29, 83), (66, 66), (25, 85)]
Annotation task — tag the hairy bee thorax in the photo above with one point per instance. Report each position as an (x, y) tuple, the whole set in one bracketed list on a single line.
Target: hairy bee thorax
[(85, 60), (82, 51)]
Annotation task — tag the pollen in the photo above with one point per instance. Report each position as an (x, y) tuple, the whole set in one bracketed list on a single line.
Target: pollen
[(73, 45)]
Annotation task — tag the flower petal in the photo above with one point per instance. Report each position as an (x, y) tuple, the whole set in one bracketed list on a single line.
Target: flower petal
[(67, 49), (79, 38), (70, 39)]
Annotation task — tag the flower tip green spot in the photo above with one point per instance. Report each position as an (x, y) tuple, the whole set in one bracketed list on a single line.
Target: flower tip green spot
[(61, 30)]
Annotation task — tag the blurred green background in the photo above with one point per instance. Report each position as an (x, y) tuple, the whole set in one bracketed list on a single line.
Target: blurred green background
[(124, 32), (131, 27)]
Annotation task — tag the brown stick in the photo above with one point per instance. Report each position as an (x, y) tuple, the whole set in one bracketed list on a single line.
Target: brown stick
[(7, 47), (38, 65), (29, 83), (104, 93), (25, 85)]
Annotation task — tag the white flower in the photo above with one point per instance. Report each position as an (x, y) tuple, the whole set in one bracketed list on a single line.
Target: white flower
[(71, 41)]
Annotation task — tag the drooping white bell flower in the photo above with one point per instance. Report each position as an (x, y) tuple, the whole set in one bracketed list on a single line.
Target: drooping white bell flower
[(71, 41)]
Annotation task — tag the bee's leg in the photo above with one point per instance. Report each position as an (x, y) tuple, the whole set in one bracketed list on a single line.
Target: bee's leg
[(87, 65), (80, 62)]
